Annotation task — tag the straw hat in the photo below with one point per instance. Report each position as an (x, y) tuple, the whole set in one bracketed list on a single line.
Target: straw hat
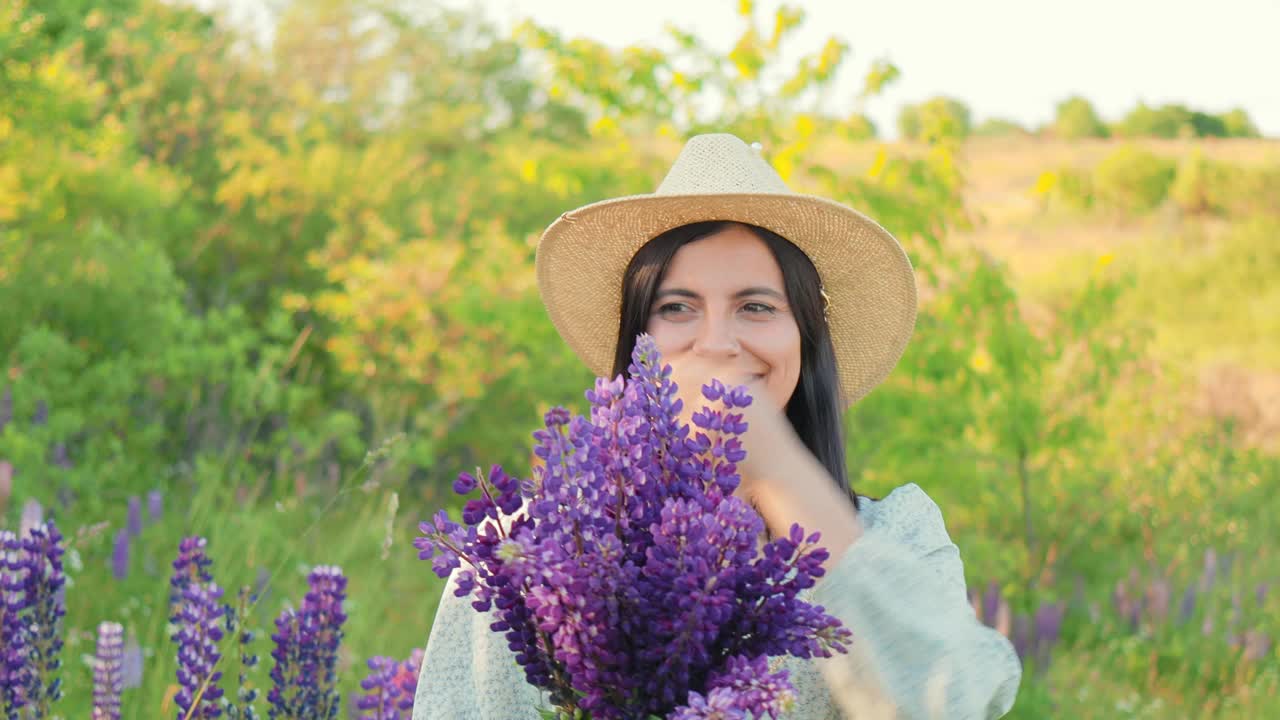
[(866, 274)]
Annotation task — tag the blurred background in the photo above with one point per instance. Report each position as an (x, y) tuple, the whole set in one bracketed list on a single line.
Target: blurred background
[(266, 271)]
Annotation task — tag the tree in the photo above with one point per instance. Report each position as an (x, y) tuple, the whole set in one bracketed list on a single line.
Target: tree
[(1076, 118)]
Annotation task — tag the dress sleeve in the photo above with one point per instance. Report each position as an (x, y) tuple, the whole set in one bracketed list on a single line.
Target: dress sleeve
[(918, 650), (468, 672)]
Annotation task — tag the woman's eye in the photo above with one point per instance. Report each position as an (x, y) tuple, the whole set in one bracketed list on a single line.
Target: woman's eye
[(672, 308), (758, 308)]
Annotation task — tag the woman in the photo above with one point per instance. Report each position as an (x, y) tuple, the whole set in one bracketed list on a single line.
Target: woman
[(810, 304)]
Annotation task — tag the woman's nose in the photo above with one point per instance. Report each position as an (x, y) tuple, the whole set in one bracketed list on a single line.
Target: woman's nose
[(716, 338)]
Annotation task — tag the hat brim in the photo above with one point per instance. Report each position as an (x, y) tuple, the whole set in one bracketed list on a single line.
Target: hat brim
[(866, 273)]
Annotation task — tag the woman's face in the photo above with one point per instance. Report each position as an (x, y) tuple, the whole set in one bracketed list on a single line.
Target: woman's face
[(723, 303)]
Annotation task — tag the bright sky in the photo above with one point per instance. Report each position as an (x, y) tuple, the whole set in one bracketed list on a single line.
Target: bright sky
[(1008, 58), (1004, 58)]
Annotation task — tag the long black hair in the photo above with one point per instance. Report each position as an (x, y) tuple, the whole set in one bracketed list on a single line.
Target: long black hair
[(815, 409)]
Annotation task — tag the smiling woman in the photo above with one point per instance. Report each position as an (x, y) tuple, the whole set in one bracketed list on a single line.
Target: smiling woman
[(745, 304), (730, 272)]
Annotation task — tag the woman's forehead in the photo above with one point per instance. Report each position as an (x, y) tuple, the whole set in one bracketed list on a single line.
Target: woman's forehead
[(730, 259)]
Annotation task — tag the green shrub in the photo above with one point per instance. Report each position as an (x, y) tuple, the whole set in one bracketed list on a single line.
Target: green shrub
[(1000, 127), (1075, 118), (935, 119), (1131, 179)]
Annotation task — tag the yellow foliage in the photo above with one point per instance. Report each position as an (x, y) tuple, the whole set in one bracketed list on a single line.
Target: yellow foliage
[(980, 361), (1045, 183), (804, 126)]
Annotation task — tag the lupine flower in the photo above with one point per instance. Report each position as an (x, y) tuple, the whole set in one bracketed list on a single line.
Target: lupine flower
[(625, 575), (200, 616), (108, 672), (155, 505), (243, 708), (389, 688), (41, 415), (60, 457), (190, 567), (304, 678), (745, 689), (120, 555), (134, 522), (6, 407), (131, 665), (1048, 624), (45, 607), (13, 632), (1188, 605), (1256, 645)]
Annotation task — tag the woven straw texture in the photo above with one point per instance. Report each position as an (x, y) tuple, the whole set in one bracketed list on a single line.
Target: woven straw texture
[(583, 254)]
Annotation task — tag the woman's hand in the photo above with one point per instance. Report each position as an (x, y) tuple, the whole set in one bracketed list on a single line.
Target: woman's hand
[(770, 442), (779, 476)]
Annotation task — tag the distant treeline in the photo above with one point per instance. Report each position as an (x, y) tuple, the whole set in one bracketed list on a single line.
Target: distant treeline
[(1075, 117)]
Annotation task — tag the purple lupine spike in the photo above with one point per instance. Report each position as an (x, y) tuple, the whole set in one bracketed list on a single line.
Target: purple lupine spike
[(990, 603), (381, 698), (6, 407), (1157, 602), (1260, 593), (190, 567), (236, 618), (120, 556), (287, 674), (60, 457), (1021, 635), (1187, 607), (1257, 644), (746, 689), (1048, 624), (304, 678), (155, 505), (134, 517), (131, 664), (41, 416), (1210, 572), (14, 645), (46, 606), (1227, 564), (108, 672), (390, 688), (407, 680), (199, 630)]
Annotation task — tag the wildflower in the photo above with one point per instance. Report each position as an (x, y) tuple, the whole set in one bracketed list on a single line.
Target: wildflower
[(304, 678), (134, 522), (13, 631), (108, 672), (120, 555), (190, 567), (45, 607), (155, 505), (131, 664), (199, 616), (390, 688)]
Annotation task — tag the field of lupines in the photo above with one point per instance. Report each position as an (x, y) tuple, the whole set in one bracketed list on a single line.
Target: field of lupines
[(246, 302)]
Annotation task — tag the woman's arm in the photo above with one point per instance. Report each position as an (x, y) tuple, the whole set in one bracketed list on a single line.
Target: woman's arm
[(468, 673), (918, 650)]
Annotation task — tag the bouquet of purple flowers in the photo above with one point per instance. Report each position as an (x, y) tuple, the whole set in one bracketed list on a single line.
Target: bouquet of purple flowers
[(625, 575)]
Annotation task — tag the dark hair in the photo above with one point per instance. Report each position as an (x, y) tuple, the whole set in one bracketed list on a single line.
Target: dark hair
[(815, 409)]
